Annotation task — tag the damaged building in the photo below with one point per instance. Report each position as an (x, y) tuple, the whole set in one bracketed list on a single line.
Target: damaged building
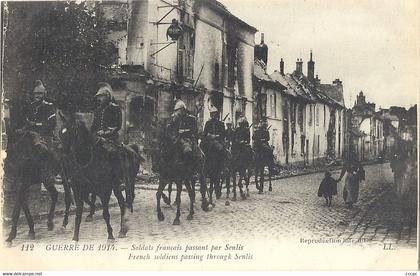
[(195, 49)]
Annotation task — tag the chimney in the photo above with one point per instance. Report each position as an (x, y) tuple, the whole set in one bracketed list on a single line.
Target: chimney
[(282, 67), (311, 68), (299, 64), (317, 80), (137, 32), (338, 82), (261, 51)]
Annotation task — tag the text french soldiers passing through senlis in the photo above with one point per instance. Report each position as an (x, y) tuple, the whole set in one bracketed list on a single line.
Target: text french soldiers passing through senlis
[(107, 122)]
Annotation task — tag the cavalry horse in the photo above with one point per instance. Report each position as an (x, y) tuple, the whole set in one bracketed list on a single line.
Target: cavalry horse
[(263, 158), (173, 166), (242, 163), (214, 168), (31, 162), (91, 172)]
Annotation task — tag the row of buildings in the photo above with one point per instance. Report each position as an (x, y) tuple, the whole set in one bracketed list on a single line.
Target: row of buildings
[(201, 51), (198, 49)]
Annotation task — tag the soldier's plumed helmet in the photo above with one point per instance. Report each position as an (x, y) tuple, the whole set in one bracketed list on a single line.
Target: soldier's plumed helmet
[(104, 89), (179, 104), (39, 87)]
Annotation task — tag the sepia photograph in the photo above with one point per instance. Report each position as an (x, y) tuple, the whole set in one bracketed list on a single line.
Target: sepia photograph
[(209, 135)]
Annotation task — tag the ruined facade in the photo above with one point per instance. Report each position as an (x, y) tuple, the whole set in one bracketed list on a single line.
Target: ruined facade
[(192, 48)]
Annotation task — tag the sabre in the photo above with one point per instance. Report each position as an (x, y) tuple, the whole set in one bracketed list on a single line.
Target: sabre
[(225, 117), (250, 125), (269, 127)]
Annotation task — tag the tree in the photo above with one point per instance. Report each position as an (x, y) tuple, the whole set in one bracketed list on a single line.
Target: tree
[(64, 45)]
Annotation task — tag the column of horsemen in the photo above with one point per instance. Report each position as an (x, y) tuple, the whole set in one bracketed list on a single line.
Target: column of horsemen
[(219, 146)]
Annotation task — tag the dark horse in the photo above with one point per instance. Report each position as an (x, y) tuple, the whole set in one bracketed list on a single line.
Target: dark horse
[(131, 165), (214, 167), (91, 172), (263, 158), (242, 163), (31, 162), (173, 166)]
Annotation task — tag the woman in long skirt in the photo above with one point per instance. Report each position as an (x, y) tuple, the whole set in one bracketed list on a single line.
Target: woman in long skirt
[(354, 174)]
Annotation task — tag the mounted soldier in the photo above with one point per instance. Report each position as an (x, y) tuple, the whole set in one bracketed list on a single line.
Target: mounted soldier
[(214, 134), (107, 121), (242, 155), (261, 138), (107, 117), (242, 136), (229, 134), (213, 145), (37, 159), (183, 132), (41, 116), (242, 131), (263, 155)]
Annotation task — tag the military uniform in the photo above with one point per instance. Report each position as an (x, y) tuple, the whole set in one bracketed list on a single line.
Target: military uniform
[(229, 137), (241, 142), (107, 122), (183, 132), (41, 118), (242, 134), (108, 119), (261, 137), (214, 127)]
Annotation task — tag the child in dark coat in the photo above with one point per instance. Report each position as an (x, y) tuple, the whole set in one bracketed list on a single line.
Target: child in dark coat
[(328, 188)]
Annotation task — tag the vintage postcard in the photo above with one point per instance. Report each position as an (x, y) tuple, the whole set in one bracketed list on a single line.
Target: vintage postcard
[(209, 135)]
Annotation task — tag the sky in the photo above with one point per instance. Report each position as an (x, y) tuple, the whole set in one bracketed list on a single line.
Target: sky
[(371, 45)]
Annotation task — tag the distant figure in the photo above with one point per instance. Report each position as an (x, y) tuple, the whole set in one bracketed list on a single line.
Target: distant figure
[(354, 175), (328, 188)]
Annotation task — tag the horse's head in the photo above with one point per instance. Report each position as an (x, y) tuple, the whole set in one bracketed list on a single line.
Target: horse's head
[(75, 136), (28, 146), (161, 149)]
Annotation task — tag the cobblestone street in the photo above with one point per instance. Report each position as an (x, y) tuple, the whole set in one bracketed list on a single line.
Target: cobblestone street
[(291, 210)]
